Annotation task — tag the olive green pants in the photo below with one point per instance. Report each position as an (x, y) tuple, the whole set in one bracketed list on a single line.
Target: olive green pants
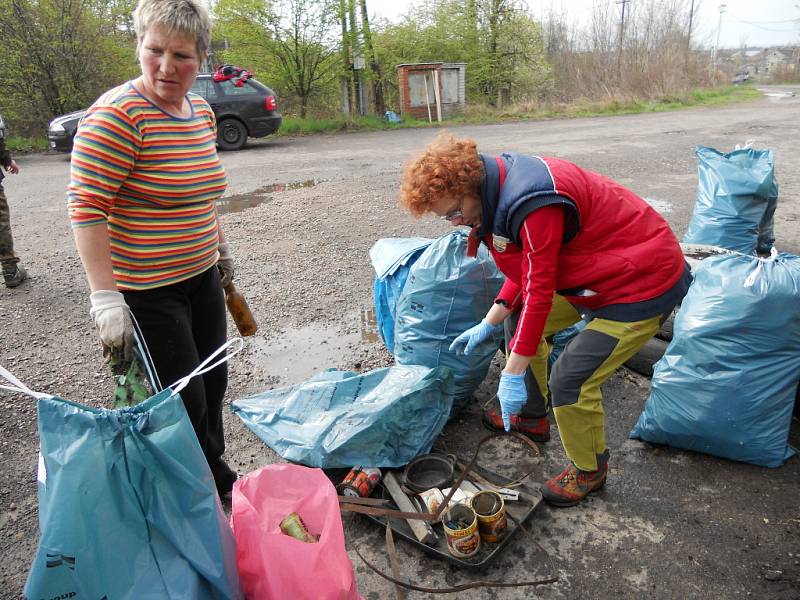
[(589, 359)]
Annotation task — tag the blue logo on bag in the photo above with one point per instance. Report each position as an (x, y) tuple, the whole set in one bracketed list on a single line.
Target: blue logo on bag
[(56, 560)]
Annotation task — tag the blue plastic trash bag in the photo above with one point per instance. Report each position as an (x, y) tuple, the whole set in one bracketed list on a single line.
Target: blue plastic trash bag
[(726, 383), (383, 418), (391, 117), (448, 292), (733, 194), (128, 508), (392, 259)]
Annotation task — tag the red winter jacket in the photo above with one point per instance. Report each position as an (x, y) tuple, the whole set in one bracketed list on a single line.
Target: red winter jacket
[(552, 226)]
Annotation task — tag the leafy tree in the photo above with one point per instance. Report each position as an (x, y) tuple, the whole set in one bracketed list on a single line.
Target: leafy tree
[(243, 36), (500, 43), (292, 42), (511, 64), (59, 55)]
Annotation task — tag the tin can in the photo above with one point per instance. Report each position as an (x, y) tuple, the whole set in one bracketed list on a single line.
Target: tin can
[(360, 482), (490, 509), (461, 531)]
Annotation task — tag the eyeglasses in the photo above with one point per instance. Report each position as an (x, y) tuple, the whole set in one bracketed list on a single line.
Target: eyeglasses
[(453, 214)]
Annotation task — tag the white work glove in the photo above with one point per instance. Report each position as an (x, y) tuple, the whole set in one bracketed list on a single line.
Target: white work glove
[(112, 317), (225, 264)]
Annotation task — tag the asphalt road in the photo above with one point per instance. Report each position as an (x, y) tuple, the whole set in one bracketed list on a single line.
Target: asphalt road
[(302, 213)]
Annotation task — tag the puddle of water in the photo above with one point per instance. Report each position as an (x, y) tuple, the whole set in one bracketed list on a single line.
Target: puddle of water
[(300, 353), (240, 202), (660, 205), (282, 187), (234, 204)]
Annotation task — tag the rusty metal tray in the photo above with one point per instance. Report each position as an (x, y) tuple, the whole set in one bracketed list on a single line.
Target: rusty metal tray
[(521, 510)]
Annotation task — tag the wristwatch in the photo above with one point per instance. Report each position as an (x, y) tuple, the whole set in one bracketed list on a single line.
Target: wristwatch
[(501, 301)]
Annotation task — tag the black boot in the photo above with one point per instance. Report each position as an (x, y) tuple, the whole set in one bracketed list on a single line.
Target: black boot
[(224, 477)]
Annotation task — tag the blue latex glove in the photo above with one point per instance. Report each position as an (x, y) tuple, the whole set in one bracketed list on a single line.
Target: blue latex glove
[(469, 340), (512, 395)]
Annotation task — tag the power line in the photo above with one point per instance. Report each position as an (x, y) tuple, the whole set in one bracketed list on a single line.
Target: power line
[(585, 10), (763, 22), (757, 26)]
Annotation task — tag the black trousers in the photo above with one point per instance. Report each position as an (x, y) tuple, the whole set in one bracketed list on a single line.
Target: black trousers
[(182, 324)]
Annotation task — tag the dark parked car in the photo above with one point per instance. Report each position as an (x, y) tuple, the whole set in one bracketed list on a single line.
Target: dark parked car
[(248, 110), (741, 78), (62, 130)]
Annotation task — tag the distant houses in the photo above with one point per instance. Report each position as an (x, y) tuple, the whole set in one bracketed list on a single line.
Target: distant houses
[(780, 63)]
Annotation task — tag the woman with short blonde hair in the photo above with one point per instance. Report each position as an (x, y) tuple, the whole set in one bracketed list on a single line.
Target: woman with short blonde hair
[(183, 17), (145, 178)]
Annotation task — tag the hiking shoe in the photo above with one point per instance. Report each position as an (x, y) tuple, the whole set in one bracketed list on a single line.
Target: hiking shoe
[(13, 275), (572, 485), (534, 428)]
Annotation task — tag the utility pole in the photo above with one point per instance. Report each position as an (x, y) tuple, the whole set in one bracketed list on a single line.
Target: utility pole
[(722, 8), (689, 36), (621, 34)]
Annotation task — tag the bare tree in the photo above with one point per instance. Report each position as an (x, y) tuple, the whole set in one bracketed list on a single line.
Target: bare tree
[(649, 60)]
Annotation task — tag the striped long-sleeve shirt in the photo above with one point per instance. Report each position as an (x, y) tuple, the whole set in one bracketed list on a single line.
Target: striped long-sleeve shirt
[(153, 178)]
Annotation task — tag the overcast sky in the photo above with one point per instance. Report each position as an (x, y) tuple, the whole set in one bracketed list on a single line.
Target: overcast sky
[(754, 22)]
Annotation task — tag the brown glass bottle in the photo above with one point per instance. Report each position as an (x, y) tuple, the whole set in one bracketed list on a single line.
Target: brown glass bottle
[(237, 306)]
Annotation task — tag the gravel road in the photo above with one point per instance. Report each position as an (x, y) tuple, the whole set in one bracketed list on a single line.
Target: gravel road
[(301, 215)]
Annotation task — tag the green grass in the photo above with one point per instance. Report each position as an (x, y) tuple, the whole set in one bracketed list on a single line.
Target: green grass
[(20, 145), (485, 114), (310, 126)]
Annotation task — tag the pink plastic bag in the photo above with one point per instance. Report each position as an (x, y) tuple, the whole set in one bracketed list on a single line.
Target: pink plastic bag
[(273, 565)]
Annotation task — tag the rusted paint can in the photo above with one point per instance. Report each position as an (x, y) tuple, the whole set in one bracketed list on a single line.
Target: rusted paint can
[(461, 531), (490, 509), (360, 482)]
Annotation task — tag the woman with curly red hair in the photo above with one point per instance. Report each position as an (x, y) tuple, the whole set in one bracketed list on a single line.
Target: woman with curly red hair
[(572, 244)]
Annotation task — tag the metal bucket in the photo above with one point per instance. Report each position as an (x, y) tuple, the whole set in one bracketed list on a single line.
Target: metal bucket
[(429, 471), (462, 540), (490, 509)]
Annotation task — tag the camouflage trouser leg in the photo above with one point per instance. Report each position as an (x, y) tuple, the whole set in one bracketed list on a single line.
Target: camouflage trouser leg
[(6, 241)]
